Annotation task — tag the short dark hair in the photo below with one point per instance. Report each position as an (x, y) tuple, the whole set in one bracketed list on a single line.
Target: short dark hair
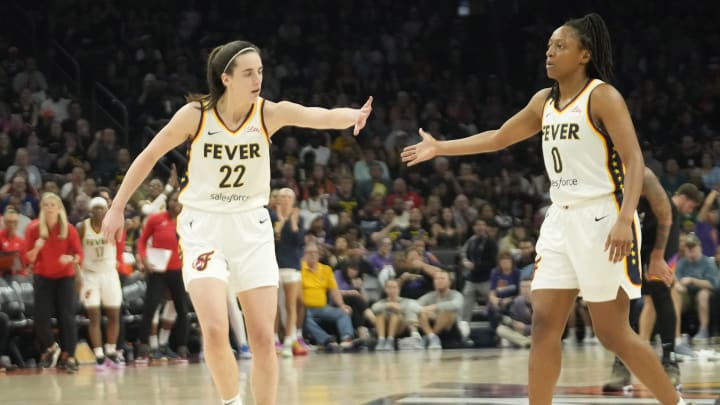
[(690, 191)]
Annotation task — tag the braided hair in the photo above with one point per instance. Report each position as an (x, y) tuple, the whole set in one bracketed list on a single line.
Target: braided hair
[(593, 35)]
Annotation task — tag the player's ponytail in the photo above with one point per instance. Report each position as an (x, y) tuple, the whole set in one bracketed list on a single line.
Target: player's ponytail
[(595, 37), (221, 60)]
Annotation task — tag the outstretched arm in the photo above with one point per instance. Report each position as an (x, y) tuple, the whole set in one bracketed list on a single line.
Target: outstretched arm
[(285, 113), (610, 110), (181, 127), (526, 123)]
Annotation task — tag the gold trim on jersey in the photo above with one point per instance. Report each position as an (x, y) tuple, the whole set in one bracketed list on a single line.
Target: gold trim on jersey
[(244, 122), (612, 160), (186, 178), (262, 120), (574, 99), (632, 263)]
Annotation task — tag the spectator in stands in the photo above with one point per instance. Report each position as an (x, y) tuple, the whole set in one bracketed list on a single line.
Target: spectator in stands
[(709, 171), (375, 184), (345, 198), (504, 287), (362, 169), (54, 250), (415, 229), (517, 325), (350, 284), (320, 180), (477, 257), (319, 150), (289, 241), (400, 192), (440, 311), (414, 273), (12, 241), (706, 227), (22, 162), (382, 257), (318, 283), (7, 152), (30, 74), (70, 157), (20, 194), (55, 104), (74, 187), (103, 152), (157, 197), (163, 271), (697, 279), (26, 109), (394, 315), (444, 232)]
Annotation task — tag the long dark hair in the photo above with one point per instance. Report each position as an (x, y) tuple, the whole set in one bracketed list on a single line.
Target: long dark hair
[(595, 37), (221, 60)]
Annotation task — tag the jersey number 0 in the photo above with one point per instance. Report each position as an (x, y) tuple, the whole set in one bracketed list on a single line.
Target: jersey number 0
[(557, 162), (228, 171)]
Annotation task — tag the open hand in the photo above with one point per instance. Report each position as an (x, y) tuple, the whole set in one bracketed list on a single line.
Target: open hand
[(362, 117), (420, 152), (619, 241)]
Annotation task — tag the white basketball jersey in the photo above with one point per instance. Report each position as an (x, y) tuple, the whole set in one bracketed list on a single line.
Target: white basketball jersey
[(580, 159), (228, 170), (98, 254)]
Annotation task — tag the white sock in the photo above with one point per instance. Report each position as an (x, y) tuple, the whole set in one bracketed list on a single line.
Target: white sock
[(288, 341), (298, 333), (232, 401), (110, 349), (154, 342), (588, 332), (164, 337), (570, 333), (99, 352), (678, 340), (681, 401)]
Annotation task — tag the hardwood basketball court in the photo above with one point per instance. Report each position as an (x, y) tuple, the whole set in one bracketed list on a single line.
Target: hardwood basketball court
[(492, 376)]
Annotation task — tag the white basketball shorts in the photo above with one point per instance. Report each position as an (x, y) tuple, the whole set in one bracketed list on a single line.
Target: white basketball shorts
[(101, 288), (237, 248), (571, 252)]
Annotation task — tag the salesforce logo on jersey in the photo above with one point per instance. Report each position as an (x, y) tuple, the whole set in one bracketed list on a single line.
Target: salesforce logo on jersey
[(563, 182), (228, 198)]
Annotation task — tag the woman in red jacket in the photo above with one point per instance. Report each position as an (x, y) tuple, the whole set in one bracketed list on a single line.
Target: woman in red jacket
[(160, 276), (54, 249)]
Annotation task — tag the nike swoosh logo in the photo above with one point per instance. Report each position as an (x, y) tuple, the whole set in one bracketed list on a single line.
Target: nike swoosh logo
[(600, 219), (213, 132), (262, 221)]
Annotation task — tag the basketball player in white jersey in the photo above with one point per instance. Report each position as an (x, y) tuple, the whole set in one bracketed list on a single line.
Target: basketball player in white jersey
[(101, 284), (225, 232), (589, 240)]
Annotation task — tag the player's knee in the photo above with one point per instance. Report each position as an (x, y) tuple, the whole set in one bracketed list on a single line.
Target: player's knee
[(215, 333), (544, 325), (262, 339)]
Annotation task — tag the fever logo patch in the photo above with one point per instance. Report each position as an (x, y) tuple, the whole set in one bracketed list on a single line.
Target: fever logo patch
[(201, 262)]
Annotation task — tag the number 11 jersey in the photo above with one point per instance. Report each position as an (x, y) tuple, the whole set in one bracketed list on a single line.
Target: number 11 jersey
[(228, 170), (580, 159)]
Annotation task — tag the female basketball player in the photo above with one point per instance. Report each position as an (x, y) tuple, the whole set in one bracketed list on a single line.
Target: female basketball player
[(589, 241), (225, 232)]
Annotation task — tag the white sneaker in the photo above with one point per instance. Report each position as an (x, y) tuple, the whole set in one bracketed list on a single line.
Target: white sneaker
[(286, 350), (434, 343)]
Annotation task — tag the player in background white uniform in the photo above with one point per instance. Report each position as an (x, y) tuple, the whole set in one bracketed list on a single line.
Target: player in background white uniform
[(588, 242), (101, 284), (225, 232)]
